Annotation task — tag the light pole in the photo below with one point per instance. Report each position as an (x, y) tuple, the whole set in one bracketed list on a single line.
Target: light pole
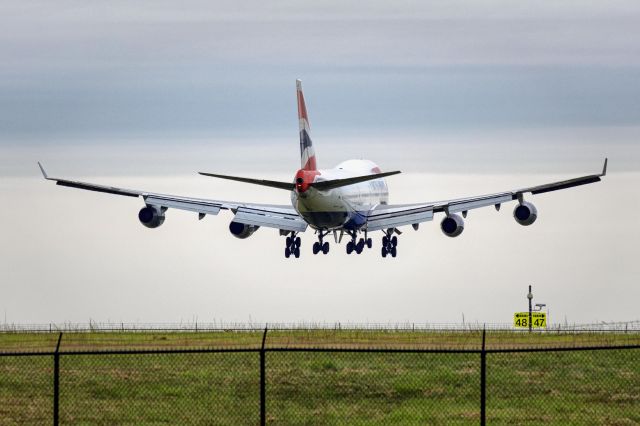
[(530, 297), (539, 307)]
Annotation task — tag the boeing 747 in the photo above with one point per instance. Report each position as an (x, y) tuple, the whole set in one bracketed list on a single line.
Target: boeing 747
[(351, 199)]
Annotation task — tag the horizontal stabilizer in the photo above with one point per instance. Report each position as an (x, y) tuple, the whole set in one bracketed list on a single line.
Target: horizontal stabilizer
[(271, 183), (324, 185), (337, 183)]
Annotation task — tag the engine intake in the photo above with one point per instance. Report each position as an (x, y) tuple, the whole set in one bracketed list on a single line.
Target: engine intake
[(151, 216), (525, 213), (452, 225), (242, 230)]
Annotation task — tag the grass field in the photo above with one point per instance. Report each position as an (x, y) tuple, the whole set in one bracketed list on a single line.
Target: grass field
[(582, 387)]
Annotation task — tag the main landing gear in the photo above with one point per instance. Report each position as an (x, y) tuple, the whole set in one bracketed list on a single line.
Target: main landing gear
[(320, 246), (358, 247), (293, 246), (389, 244)]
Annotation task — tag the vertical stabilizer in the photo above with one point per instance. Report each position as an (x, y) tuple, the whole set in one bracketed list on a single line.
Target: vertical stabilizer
[(307, 153)]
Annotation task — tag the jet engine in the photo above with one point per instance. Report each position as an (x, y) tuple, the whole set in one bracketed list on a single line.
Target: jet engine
[(452, 225), (525, 213), (242, 230), (151, 216)]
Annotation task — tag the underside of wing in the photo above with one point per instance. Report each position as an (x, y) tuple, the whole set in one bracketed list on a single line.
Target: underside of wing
[(391, 216), (281, 217), (386, 217)]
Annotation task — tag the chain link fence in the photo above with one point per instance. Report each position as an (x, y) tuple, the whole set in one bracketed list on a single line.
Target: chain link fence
[(320, 377)]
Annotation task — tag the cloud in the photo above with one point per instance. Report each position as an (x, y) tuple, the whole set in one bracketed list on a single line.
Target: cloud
[(151, 68)]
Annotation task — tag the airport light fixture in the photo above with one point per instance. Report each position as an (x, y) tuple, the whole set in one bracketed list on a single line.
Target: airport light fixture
[(538, 308)]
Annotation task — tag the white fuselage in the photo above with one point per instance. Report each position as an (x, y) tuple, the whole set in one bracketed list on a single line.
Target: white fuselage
[(344, 207)]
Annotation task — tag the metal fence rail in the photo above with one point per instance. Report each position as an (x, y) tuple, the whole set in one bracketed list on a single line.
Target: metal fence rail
[(302, 384), (625, 326)]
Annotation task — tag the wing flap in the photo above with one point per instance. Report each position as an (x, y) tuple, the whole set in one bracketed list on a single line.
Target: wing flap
[(384, 218), (194, 205), (470, 204), (270, 219)]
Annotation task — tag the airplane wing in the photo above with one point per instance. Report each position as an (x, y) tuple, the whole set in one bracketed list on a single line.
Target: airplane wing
[(272, 216), (392, 216)]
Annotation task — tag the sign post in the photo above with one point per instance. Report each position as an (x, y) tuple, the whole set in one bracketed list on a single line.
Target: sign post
[(530, 297)]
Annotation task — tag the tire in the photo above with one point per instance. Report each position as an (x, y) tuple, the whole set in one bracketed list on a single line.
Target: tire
[(289, 241), (384, 251), (298, 241), (394, 252), (369, 242), (325, 248), (385, 240), (360, 246), (296, 252), (349, 247), (316, 248), (287, 252), (394, 241)]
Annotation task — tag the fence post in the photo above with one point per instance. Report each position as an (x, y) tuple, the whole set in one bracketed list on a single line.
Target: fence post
[(56, 382), (483, 382), (263, 381)]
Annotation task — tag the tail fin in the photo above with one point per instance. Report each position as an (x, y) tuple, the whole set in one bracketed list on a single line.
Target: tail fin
[(307, 153)]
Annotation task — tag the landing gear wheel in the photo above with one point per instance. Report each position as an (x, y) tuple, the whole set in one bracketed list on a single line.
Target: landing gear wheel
[(360, 246), (325, 248), (287, 252), (296, 252), (350, 247), (316, 247), (369, 242), (298, 241), (389, 244)]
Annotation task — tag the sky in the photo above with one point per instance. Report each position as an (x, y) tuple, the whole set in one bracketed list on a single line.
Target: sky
[(464, 97)]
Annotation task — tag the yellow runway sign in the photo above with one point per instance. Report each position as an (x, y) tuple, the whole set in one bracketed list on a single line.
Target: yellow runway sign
[(538, 320)]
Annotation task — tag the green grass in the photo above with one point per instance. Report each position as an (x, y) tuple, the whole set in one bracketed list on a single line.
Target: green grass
[(308, 388), (317, 338)]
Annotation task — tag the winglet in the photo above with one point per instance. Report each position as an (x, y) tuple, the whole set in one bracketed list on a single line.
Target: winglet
[(44, 174), (604, 169)]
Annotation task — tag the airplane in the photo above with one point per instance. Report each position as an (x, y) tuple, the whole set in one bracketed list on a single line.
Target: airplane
[(350, 199)]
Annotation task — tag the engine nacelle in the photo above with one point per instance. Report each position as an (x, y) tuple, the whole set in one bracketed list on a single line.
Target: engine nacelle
[(242, 230), (452, 225), (151, 216), (525, 214)]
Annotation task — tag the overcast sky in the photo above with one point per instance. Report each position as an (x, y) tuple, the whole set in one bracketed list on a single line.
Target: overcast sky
[(465, 97)]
